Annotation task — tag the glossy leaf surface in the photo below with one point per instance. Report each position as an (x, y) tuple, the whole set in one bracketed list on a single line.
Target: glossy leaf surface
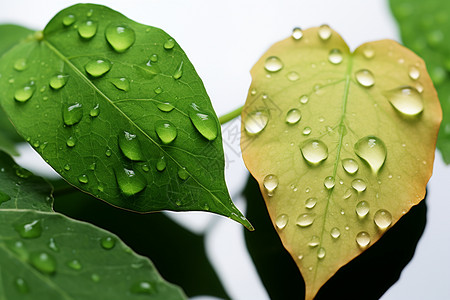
[(342, 144), (118, 110)]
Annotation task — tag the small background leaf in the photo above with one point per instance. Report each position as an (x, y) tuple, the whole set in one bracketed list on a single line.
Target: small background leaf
[(350, 113)]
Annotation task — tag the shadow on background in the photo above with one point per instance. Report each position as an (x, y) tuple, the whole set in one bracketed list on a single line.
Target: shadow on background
[(368, 276), (178, 254)]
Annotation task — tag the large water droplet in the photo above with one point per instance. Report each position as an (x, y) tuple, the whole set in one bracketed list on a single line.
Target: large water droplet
[(414, 72), (87, 29), (169, 44), (108, 242), (321, 253), (335, 56), (72, 114), (314, 242), (311, 202), (161, 164), (58, 81), (178, 72), (297, 33), (305, 220), (98, 67), (329, 182), (324, 32), (335, 233), (68, 20), (282, 221), (130, 146), (130, 182), (293, 116), (365, 78), (256, 121), (20, 64), (359, 185), (121, 83), (362, 208), (166, 131), (406, 100), (29, 230), (273, 64), (270, 182), (204, 123), (165, 107), (383, 219), (43, 262), (4, 197), (21, 285), (372, 150), (314, 151), (120, 37), (25, 92), (350, 166), (142, 287), (74, 264), (363, 239)]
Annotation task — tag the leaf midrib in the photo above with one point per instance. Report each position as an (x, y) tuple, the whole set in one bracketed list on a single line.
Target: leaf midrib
[(77, 71)]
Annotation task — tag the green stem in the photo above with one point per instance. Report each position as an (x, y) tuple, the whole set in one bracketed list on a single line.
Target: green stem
[(230, 116)]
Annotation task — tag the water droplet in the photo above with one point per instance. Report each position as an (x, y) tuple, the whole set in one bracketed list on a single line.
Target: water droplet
[(372, 150), (108, 152), (120, 37), (363, 239), (304, 99), (72, 114), (161, 164), (130, 182), (414, 72), (310, 202), (74, 264), (83, 179), (142, 287), (24, 93), (18, 248), (183, 174), (58, 81), (29, 230), (98, 67), (21, 285), (204, 123), (314, 242), (20, 64), (121, 83), (165, 107), (95, 277), (335, 56), (4, 197), (256, 121), (305, 220), (273, 64), (293, 76), (307, 131), (87, 29), (282, 221), (335, 233), (324, 32), (22, 173), (314, 151), (95, 111), (359, 185), (362, 208), (365, 78), (321, 253), (329, 182), (178, 72), (169, 44), (52, 245), (71, 142), (158, 90), (145, 168), (368, 52), (350, 166), (383, 219), (406, 100), (270, 182), (43, 262), (108, 242), (297, 33), (166, 131), (293, 116), (68, 20), (130, 146)]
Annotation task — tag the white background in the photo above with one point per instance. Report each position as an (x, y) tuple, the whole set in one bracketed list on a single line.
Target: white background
[(223, 39)]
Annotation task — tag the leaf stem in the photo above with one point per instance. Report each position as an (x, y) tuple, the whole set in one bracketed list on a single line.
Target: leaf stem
[(230, 116)]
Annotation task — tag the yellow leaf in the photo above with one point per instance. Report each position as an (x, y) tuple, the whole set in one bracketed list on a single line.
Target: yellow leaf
[(342, 144)]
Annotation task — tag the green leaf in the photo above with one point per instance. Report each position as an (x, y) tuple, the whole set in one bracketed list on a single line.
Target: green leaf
[(118, 110), (44, 254), (424, 27), (332, 137)]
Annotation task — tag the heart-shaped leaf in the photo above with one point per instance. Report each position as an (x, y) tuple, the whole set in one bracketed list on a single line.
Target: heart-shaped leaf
[(342, 144), (118, 110)]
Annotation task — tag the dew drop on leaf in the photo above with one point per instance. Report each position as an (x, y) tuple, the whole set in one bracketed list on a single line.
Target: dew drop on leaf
[(87, 29), (335, 233), (282, 221), (52, 245), (108, 152), (350, 166), (178, 72), (311, 202), (362, 208), (161, 164), (20, 64), (414, 72), (314, 151), (365, 78), (305, 220), (108, 242), (18, 248), (25, 92), (21, 286), (142, 287), (335, 56), (98, 67), (183, 174), (383, 219), (95, 111), (368, 52), (314, 242), (273, 64), (256, 121), (74, 264), (4, 197), (363, 239), (166, 131), (321, 253), (329, 182), (304, 99), (324, 32), (130, 146), (372, 150), (297, 33), (83, 179), (270, 182), (120, 37), (72, 113), (293, 76), (204, 123), (165, 107), (95, 277), (359, 185), (68, 20), (43, 262), (130, 182), (29, 230), (169, 44), (121, 83), (293, 116), (406, 100), (58, 81), (71, 142), (306, 131)]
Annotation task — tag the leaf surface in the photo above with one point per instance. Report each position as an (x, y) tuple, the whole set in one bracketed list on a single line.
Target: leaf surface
[(118, 110), (312, 106), (424, 27)]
